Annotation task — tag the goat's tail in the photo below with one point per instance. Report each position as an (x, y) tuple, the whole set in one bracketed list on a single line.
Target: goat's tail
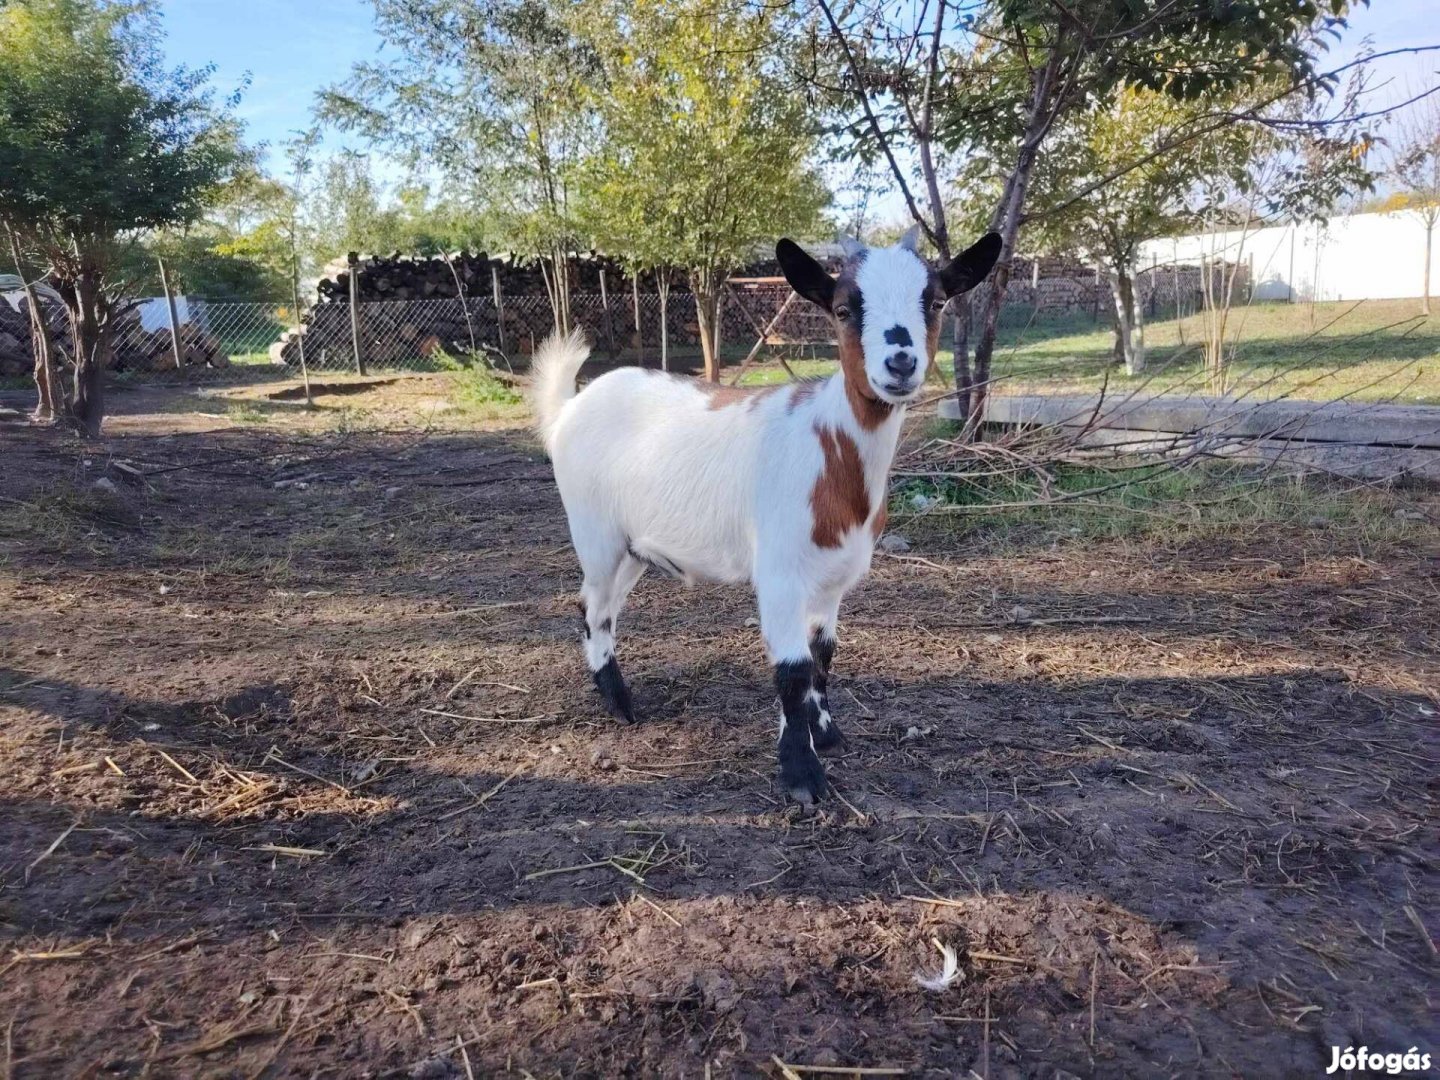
[(553, 368)]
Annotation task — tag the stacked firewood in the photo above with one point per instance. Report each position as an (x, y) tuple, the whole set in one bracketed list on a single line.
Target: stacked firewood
[(133, 348), (402, 277)]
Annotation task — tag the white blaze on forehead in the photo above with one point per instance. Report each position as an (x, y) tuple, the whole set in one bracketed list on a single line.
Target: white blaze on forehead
[(892, 284)]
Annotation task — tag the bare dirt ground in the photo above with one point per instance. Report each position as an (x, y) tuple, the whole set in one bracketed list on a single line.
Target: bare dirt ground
[(301, 776)]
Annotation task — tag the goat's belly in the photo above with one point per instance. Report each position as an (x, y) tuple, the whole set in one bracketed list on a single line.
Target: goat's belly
[(719, 557)]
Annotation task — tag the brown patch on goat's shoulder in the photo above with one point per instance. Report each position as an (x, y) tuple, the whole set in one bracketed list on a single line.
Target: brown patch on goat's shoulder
[(802, 392), (839, 501)]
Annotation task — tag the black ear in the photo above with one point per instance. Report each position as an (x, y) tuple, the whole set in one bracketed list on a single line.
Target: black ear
[(805, 275), (969, 268)]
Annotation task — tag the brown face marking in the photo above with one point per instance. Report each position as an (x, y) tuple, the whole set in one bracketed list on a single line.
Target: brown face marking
[(870, 412), (839, 501)]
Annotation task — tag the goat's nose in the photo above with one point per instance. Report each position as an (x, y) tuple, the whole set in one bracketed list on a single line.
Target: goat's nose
[(901, 365)]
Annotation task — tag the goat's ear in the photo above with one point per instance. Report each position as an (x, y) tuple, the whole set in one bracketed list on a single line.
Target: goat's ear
[(969, 268), (806, 276)]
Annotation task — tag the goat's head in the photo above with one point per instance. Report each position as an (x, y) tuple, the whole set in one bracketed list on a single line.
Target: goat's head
[(886, 306)]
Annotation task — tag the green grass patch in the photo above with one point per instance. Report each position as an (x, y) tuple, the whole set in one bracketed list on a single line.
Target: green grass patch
[(1373, 350), (1159, 501)]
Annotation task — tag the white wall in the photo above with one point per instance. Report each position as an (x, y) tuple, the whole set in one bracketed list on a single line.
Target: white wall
[(1364, 257)]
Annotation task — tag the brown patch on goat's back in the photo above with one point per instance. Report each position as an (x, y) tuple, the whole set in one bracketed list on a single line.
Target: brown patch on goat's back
[(722, 397), (802, 392), (839, 501)]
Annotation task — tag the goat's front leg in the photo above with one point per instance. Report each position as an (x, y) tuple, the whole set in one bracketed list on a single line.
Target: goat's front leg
[(783, 622), (827, 732)]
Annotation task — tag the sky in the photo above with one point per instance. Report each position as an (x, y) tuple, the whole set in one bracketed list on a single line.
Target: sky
[(292, 48)]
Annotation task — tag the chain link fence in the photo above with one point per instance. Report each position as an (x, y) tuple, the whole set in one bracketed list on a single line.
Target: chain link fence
[(223, 342), (229, 342)]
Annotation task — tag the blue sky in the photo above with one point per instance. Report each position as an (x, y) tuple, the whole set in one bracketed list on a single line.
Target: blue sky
[(292, 48)]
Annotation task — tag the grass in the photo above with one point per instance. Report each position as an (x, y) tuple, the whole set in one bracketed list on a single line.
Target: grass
[(1152, 501), (70, 516), (1373, 350)]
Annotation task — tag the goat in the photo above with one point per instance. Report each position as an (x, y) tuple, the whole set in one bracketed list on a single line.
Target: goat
[(782, 486)]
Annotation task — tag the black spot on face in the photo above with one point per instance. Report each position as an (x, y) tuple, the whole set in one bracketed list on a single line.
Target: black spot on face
[(898, 335)]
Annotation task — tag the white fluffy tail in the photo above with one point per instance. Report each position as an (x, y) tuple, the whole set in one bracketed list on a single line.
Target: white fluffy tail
[(553, 369)]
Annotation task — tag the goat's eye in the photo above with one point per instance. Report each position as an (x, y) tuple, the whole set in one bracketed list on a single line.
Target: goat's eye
[(937, 305), (842, 312)]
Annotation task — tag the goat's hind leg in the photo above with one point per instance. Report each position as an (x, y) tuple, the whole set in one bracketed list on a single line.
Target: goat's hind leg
[(610, 574)]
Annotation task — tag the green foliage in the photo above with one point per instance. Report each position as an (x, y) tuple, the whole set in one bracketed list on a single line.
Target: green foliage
[(1164, 195), (100, 144), (97, 138), (1066, 503), (476, 386), (350, 210), (706, 153), (487, 94)]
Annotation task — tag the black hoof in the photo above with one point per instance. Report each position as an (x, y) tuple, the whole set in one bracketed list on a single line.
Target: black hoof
[(611, 685), (801, 775)]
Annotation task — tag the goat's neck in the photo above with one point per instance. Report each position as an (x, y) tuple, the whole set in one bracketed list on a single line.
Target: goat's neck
[(876, 441)]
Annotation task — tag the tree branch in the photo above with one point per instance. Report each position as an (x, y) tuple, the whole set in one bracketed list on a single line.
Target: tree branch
[(874, 122)]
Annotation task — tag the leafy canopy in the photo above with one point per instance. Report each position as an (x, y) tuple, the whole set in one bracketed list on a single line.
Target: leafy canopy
[(97, 137), (706, 151)]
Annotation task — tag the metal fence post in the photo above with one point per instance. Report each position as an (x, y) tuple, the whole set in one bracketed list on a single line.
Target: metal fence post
[(353, 260), (174, 318), (499, 306), (639, 334), (609, 323)]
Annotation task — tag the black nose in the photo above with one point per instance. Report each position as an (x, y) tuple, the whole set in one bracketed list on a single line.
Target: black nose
[(901, 365)]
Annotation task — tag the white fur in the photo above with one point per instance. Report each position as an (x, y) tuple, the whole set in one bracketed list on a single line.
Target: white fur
[(892, 281), (644, 464)]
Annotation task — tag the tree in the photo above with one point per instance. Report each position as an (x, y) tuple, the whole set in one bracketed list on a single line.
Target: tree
[(99, 144), (705, 152), (1032, 62), (491, 94), (1415, 171), (1157, 198)]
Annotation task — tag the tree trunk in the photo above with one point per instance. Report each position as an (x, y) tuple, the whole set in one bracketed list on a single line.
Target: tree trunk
[(1129, 335), (662, 286), (90, 316), (707, 304), (1429, 237), (1006, 221), (960, 344), (49, 401)]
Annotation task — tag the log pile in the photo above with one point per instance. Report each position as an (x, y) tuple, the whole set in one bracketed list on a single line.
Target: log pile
[(401, 277), (134, 349), (16, 357), (140, 350)]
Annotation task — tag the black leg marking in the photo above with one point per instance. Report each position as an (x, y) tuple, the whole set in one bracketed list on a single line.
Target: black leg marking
[(801, 774), (826, 731), (611, 685)]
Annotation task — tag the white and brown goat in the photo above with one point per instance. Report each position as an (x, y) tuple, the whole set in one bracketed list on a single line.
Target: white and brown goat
[(784, 486)]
